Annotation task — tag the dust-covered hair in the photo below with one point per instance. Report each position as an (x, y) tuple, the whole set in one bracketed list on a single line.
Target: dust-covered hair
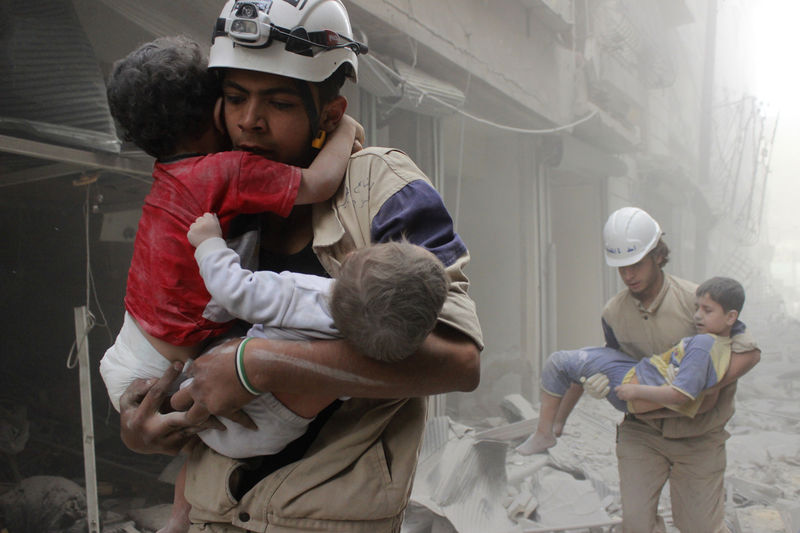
[(727, 292), (660, 253), (387, 298), (163, 93)]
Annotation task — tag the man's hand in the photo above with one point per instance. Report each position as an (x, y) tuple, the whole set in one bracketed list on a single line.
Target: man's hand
[(204, 227), (145, 429), (596, 386), (215, 389)]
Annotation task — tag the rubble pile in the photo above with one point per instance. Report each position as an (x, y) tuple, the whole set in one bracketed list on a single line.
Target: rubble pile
[(464, 484)]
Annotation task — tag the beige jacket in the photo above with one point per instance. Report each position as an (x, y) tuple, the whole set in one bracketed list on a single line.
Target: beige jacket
[(358, 473)]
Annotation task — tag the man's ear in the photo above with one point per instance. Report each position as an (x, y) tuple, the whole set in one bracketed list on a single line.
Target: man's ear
[(332, 113), (219, 120), (731, 317)]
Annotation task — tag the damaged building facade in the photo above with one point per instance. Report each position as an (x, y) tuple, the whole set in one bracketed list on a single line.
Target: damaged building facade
[(533, 118)]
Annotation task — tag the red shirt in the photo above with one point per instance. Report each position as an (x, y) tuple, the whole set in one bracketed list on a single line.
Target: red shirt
[(165, 292)]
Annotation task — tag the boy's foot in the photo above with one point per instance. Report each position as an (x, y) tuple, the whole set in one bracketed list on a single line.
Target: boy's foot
[(175, 527), (558, 428), (536, 443)]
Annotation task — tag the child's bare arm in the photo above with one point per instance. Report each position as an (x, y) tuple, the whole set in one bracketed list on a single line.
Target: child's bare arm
[(322, 178), (646, 398)]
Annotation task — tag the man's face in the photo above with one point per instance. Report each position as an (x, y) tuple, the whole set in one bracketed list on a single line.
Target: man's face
[(264, 113), (642, 278)]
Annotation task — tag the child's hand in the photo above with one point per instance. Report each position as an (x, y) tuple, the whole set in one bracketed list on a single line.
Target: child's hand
[(626, 392), (205, 227), (348, 122)]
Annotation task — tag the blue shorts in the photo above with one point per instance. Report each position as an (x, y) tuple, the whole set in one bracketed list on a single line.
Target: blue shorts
[(566, 367)]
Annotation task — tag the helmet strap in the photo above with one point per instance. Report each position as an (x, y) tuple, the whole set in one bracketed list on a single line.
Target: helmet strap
[(319, 139)]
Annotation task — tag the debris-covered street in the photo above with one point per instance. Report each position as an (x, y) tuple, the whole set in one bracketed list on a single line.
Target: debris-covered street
[(469, 479), (575, 486)]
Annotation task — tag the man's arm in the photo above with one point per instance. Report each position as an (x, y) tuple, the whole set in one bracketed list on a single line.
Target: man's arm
[(741, 364), (447, 361)]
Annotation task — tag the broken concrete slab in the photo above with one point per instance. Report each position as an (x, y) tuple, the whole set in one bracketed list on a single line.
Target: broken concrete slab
[(759, 519), (517, 408), (44, 503)]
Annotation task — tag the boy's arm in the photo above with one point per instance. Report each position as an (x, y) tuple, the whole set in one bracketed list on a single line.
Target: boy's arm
[(448, 360), (323, 177), (740, 364), (644, 398), (286, 300), (709, 400)]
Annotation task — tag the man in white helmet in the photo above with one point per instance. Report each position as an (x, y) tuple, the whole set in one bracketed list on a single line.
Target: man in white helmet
[(652, 313), (282, 63)]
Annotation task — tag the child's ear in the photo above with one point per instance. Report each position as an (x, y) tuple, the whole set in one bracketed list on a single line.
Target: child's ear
[(731, 317), (219, 122)]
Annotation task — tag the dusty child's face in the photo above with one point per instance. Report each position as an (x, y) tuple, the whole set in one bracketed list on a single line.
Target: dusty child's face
[(264, 113), (710, 317)]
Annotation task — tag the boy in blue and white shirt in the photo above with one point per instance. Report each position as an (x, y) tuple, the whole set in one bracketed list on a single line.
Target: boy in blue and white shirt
[(678, 379)]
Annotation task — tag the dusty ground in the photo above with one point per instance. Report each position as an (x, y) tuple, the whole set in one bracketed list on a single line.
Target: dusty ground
[(580, 472), (763, 474)]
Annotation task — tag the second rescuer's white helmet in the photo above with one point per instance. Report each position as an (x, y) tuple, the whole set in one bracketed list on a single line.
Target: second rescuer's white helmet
[(629, 234), (302, 39)]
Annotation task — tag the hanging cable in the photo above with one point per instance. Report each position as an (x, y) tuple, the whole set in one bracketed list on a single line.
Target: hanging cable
[(460, 160), (91, 289), (476, 118)]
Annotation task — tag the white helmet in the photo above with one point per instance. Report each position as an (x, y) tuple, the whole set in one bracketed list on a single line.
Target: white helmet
[(303, 39), (629, 234)]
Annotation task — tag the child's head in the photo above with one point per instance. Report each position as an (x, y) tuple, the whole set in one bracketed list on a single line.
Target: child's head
[(719, 302), (387, 298), (162, 95)]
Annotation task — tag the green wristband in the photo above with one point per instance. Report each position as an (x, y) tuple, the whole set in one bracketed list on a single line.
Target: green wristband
[(240, 369)]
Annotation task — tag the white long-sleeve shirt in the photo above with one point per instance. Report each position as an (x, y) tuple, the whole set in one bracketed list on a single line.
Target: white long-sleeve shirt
[(288, 305)]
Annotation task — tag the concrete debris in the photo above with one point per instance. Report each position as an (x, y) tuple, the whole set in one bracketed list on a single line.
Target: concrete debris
[(509, 432), (564, 501), (472, 480), (759, 519), (790, 513), (522, 503), (479, 486), (461, 479), (751, 492), (44, 504), (517, 408)]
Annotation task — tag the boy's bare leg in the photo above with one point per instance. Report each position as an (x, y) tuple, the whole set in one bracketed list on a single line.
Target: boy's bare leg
[(543, 438), (568, 403), (179, 518)]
